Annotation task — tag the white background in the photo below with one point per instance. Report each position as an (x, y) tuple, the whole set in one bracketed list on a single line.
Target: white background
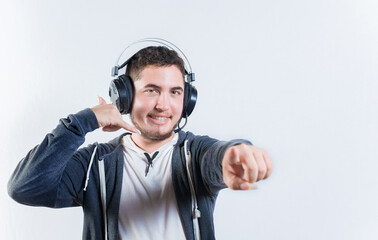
[(298, 78)]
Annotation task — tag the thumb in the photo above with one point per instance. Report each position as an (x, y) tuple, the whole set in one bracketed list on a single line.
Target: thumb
[(240, 184), (101, 101)]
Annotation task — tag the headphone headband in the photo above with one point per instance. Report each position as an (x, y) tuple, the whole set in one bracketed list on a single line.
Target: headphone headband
[(189, 75)]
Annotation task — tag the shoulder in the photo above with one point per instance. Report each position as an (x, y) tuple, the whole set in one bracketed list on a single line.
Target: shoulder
[(108, 148), (186, 135), (206, 142), (195, 140)]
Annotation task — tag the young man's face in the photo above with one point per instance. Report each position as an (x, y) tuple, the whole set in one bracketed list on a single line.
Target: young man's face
[(158, 101)]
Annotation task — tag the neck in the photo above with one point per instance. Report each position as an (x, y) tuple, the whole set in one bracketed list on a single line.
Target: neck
[(149, 145)]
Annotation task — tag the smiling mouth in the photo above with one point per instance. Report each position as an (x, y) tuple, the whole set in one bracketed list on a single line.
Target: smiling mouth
[(159, 119)]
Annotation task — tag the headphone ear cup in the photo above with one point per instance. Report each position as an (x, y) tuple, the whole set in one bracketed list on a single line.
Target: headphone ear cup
[(121, 93), (190, 99)]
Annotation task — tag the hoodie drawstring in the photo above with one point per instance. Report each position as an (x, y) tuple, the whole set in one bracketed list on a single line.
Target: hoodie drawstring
[(196, 212), (89, 168)]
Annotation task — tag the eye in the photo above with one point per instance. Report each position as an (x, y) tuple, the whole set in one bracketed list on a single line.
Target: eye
[(150, 91), (176, 92)]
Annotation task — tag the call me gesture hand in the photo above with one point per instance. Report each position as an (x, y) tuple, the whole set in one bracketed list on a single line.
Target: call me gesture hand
[(109, 118), (243, 165)]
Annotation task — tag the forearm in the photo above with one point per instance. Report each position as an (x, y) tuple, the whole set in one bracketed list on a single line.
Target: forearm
[(37, 177)]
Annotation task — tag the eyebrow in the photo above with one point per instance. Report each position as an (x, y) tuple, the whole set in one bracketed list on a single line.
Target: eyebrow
[(158, 87)]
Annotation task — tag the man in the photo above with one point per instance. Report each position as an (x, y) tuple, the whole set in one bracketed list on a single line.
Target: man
[(138, 186)]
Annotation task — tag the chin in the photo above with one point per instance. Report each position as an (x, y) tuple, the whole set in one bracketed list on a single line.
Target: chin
[(155, 136), (153, 132), (157, 133)]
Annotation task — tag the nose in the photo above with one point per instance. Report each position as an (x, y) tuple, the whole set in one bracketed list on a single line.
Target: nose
[(163, 102)]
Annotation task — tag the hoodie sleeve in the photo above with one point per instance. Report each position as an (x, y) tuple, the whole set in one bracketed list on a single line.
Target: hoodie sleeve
[(51, 173), (208, 155)]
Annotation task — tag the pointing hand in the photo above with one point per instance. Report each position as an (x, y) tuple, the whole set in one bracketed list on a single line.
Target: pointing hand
[(244, 165)]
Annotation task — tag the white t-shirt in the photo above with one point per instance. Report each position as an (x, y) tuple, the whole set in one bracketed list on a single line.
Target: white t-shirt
[(148, 207)]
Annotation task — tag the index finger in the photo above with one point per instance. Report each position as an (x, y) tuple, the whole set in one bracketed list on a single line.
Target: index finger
[(129, 127)]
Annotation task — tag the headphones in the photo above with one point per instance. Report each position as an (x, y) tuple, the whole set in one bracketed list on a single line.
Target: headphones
[(121, 89)]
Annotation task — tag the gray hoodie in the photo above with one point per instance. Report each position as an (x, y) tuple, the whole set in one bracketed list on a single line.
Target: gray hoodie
[(56, 172)]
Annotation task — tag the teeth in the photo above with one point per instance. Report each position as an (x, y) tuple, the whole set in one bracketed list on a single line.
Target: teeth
[(160, 118)]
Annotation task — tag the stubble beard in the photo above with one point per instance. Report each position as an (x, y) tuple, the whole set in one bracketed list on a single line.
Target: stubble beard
[(152, 135)]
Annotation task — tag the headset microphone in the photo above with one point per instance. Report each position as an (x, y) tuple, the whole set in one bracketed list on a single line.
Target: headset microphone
[(121, 89)]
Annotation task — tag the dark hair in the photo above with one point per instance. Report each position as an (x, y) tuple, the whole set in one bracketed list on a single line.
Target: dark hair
[(156, 56)]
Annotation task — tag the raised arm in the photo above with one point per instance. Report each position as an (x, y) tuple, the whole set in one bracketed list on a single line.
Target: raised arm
[(52, 173), (37, 177), (235, 164)]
